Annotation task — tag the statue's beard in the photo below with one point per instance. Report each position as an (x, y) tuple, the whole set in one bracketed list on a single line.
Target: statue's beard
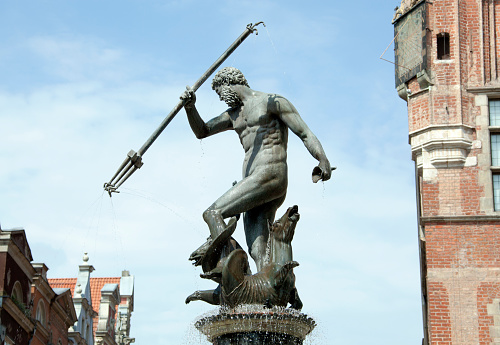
[(230, 97)]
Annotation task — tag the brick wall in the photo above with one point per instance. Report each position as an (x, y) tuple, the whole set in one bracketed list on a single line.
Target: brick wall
[(463, 281), (463, 245), (461, 267), (439, 315), (454, 192), (486, 293)]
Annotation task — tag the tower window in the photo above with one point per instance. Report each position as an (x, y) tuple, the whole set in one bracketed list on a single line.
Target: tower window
[(496, 191), (443, 46), (494, 117), (495, 150), (494, 107)]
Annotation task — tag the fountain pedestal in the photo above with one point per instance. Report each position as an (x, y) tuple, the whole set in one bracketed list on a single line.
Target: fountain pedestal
[(256, 327)]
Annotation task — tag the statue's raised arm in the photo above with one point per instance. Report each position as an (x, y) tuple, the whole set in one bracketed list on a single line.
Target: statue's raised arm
[(201, 129)]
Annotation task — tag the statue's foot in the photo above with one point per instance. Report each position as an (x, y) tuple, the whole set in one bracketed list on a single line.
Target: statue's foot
[(199, 253), (213, 251)]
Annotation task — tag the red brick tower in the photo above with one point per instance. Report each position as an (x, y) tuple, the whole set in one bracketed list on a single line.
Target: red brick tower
[(447, 71)]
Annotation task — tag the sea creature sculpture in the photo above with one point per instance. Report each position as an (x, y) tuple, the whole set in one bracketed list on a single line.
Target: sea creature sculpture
[(273, 285)]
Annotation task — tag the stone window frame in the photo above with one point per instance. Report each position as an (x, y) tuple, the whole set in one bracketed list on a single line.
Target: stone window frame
[(484, 131)]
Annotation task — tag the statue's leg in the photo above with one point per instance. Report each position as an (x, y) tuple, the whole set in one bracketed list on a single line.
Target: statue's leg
[(253, 191), (256, 223), (214, 220)]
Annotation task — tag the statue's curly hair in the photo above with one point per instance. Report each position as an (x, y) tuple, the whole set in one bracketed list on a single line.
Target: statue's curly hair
[(229, 76)]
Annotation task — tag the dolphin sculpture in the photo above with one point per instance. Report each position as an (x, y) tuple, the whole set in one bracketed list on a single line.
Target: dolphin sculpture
[(274, 285)]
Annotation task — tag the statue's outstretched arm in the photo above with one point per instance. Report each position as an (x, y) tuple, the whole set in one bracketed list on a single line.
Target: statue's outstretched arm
[(289, 115)]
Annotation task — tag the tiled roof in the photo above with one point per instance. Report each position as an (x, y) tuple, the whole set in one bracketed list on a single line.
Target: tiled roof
[(96, 285), (63, 283)]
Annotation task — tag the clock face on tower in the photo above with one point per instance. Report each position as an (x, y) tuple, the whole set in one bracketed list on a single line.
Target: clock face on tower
[(409, 43)]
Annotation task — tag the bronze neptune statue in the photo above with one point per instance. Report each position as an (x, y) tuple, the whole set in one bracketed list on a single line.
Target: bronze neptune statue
[(261, 121)]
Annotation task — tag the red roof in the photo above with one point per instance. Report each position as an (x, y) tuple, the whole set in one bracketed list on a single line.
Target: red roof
[(63, 283), (96, 285)]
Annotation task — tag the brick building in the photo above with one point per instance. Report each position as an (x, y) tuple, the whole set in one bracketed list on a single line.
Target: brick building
[(446, 61), (35, 310), (31, 312)]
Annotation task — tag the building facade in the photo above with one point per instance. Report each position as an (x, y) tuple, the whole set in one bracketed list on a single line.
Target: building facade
[(35, 310), (103, 306), (31, 312), (446, 61)]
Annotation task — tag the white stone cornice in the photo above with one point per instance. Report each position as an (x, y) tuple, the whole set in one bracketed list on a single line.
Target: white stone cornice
[(434, 127), (441, 146)]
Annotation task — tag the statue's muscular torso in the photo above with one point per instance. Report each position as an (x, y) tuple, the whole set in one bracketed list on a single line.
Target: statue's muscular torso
[(262, 134), (262, 123)]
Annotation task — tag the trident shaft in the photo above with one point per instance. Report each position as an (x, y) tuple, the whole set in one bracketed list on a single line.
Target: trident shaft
[(133, 161)]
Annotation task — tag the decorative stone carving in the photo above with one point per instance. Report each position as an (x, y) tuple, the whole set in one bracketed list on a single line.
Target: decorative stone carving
[(273, 285), (423, 79), (441, 146)]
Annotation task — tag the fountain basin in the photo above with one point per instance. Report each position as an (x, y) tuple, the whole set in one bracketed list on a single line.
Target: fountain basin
[(256, 325)]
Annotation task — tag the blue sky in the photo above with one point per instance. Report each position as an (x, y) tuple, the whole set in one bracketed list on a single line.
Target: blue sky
[(83, 82)]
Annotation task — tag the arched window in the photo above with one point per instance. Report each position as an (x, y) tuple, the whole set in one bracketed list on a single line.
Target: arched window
[(17, 293), (40, 312), (443, 46)]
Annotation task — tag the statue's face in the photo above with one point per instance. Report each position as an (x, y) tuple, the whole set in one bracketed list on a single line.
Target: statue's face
[(218, 91), (227, 95)]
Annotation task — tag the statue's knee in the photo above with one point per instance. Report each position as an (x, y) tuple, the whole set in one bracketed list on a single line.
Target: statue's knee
[(211, 213), (206, 215)]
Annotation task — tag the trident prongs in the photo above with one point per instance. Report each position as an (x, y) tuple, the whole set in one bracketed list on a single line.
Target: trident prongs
[(128, 167), (110, 188)]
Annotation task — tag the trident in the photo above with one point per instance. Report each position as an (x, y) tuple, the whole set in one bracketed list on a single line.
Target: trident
[(133, 161)]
